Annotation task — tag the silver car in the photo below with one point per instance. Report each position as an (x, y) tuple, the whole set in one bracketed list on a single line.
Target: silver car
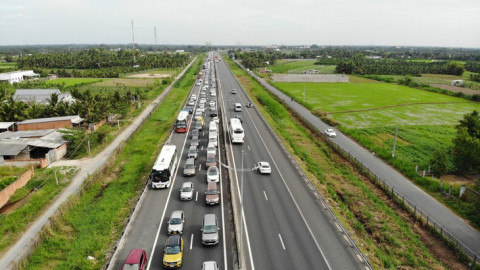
[(189, 167), (186, 192), (213, 174), (175, 223), (210, 230)]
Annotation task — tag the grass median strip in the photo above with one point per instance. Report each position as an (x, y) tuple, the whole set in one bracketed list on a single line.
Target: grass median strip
[(89, 224), (385, 237)]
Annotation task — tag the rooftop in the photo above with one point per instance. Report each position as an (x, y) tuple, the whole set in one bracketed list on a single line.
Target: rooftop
[(74, 118)]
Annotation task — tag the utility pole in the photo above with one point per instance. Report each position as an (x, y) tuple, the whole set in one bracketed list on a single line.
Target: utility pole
[(394, 142), (133, 44), (155, 33), (304, 94)]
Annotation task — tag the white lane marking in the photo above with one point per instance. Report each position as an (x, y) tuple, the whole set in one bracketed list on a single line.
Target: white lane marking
[(200, 167), (281, 241), (266, 198), (248, 147), (238, 190), (196, 196), (191, 242), (201, 148), (284, 182), (221, 204)]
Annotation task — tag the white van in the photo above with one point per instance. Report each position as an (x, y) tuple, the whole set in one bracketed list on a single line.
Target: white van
[(213, 137), (238, 107), (213, 127)]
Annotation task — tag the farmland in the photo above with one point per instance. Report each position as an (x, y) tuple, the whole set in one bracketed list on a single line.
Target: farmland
[(295, 66), (73, 81)]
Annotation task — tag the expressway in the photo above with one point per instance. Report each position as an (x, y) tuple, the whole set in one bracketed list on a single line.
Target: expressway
[(148, 229), (284, 225)]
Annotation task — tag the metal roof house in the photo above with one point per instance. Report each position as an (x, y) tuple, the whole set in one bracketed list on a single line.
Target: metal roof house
[(18, 76), (6, 126), (41, 96), (26, 147), (50, 123)]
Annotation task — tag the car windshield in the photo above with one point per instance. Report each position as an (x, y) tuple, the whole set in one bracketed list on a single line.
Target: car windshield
[(189, 166), (133, 266), (212, 172), (192, 151), (211, 192), (210, 229), (265, 166), (172, 249), (186, 189), (210, 159), (195, 132), (175, 221)]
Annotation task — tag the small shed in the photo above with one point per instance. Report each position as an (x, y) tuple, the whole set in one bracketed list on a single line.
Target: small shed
[(457, 82), (6, 126), (50, 123)]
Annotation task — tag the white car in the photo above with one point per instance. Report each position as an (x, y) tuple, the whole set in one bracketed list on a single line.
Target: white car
[(212, 103), (186, 192), (330, 133), (175, 223), (213, 174), (191, 103), (210, 265), (264, 167), (193, 97), (203, 100), (216, 120)]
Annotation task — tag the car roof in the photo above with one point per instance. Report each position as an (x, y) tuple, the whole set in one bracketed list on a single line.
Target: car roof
[(134, 256), (263, 163), (212, 168), (210, 265), (187, 184), (173, 240)]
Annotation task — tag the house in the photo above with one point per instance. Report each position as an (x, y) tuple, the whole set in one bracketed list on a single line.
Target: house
[(41, 96), (31, 147), (50, 123), (18, 76), (6, 126)]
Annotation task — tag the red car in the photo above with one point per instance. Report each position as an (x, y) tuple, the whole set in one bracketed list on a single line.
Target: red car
[(136, 260)]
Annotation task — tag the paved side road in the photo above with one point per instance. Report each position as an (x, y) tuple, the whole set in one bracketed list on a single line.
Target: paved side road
[(24, 245), (437, 212)]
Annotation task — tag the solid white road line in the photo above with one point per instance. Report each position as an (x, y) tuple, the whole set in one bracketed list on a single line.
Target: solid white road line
[(191, 242), (248, 147), (266, 198), (196, 196), (281, 241), (200, 167)]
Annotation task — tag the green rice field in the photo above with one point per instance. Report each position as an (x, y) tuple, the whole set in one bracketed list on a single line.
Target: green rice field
[(297, 66), (361, 105)]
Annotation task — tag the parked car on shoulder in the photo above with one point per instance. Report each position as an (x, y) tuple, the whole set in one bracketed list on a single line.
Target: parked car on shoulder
[(330, 133)]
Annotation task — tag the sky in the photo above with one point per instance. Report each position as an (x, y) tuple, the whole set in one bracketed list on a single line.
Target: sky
[(439, 23)]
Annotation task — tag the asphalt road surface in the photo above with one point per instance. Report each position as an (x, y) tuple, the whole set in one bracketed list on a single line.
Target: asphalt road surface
[(285, 226), (148, 230), (430, 207)]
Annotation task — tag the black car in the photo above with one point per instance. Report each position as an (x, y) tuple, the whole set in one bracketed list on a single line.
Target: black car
[(213, 113), (190, 109)]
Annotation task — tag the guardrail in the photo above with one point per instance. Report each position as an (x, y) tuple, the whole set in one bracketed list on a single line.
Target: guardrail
[(343, 232), (408, 205)]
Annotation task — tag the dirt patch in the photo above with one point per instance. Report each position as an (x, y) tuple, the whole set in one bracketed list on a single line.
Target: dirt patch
[(456, 179), (149, 75), (126, 82), (455, 89), (382, 137)]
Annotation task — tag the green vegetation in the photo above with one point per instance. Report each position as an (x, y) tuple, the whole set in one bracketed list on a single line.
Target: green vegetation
[(90, 223), (73, 81), (298, 66), (389, 241), (31, 199), (8, 175)]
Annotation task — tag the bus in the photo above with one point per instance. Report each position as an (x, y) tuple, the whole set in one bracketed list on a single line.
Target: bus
[(164, 167), (236, 131), (181, 126)]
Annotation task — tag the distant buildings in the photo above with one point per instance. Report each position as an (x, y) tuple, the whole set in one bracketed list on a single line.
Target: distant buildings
[(18, 76), (41, 96)]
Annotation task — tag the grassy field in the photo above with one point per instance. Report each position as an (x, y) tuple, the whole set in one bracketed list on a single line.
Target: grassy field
[(127, 82), (74, 81), (30, 201), (295, 66), (89, 224), (388, 240)]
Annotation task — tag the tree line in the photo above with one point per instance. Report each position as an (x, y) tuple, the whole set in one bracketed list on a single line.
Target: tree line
[(91, 62), (362, 66)]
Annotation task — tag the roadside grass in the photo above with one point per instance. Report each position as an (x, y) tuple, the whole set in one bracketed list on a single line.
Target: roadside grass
[(296, 66), (89, 224), (74, 81), (384, 237), (32, 199)]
